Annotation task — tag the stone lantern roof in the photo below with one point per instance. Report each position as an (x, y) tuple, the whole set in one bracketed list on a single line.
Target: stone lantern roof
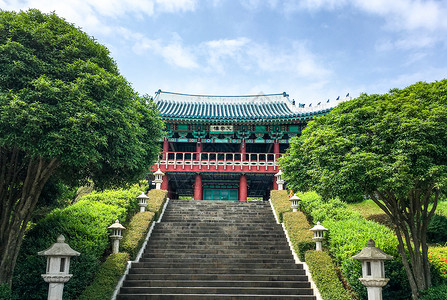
[(116, 225), (294, 198), (371, 252), (60, 248), (159, 172), (143, 196), (318, 227)]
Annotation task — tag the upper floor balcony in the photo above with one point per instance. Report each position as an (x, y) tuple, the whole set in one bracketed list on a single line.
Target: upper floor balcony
[(218, 162)]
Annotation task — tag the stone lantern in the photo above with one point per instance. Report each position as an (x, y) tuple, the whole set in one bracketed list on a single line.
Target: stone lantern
[(142, 201), (116, 235), (295, 202), (279, 180), (373, 269), (58, 266), (158, 178), (318, 235)]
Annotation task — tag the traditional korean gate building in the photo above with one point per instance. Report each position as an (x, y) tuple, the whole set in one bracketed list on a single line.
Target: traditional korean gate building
[(226, 147)]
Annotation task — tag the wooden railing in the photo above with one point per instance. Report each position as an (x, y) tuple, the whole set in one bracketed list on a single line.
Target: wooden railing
[(218, 161)]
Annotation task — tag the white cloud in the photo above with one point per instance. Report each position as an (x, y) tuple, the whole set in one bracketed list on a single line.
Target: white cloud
[(173, 52), (92, 15), (409, 42), (297, 60), (398, 14), (408, 14), (218, 51), (175, 5)]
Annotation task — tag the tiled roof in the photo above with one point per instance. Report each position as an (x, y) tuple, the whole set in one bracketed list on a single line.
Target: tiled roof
[(255, 107)]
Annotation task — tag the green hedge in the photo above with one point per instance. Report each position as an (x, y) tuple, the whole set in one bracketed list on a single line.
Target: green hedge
[(107, 277), (281, 203), (135, 233), (301, 237), (348, 234), (299, 233), (157, 199), (84, 225), (348, 237), (438, 259), (133, 238), (437, 230), (5, 292), (435, 293), (325, 276), (319, 210)]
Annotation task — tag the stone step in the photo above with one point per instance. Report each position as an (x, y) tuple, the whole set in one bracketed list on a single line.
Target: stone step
[(211, 297), (216, 265), (216, 290), (216, 283), (236, 270), (210, 220), (252, 248), (164, 255), (221, 225), (218, 241), (218, 277), (220, 260), (215, 238), (216, 231), (218, 251)]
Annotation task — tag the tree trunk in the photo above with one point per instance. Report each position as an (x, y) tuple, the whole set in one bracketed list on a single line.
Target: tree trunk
[(411, 217), (22, 179)]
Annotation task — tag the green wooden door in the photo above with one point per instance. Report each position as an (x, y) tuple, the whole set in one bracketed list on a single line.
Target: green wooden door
[(221, 194)]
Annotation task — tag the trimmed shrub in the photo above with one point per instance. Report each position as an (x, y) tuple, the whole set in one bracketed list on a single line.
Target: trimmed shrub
[(107, 277), (310, 201), (348, 237), (301, 237), (299, 233), (5, 292), (314, 206), (325, 276), (441, 209), (157, 199), (434, 293), (437, 230), (281, 203), (84, 225), (136, 231), (438, 259)]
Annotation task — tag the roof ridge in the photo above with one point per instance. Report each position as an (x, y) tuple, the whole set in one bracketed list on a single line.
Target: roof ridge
[(284, 94)]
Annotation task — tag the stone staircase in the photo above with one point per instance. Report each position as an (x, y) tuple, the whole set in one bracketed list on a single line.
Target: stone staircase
[(216, 250)]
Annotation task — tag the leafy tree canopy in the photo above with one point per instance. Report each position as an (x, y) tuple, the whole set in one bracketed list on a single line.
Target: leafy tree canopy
[(64, 110), (392, 148), (61, 96), (392, 143)]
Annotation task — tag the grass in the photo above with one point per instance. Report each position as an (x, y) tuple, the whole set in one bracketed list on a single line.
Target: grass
[(442, 208), (366, 208)]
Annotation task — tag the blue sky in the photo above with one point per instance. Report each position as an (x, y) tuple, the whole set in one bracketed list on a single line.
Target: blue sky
[(312, 49)]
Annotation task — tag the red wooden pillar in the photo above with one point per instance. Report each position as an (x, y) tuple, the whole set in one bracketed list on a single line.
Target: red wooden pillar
[(275, 185), (276, 147), (165, 148), (165, 183), (276, 152), (243, 187), (198, 191), (199, 146)]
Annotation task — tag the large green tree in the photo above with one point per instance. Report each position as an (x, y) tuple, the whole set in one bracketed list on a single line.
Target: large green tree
[(64, 111), (392, 148)]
